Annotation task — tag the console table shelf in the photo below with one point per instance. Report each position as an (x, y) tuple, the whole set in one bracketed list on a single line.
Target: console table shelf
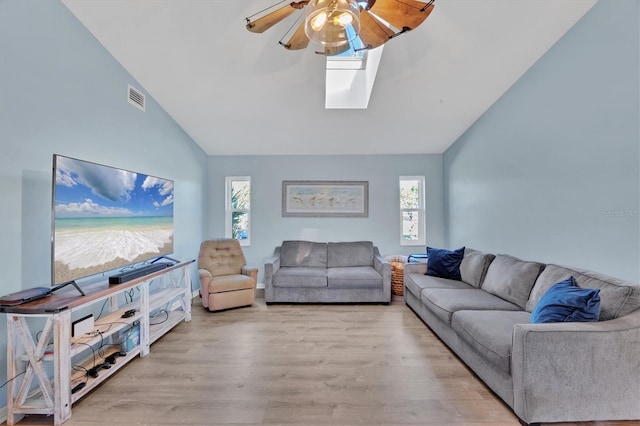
[(164, 301)]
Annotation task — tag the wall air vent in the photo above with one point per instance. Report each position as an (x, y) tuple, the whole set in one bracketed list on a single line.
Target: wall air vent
[(135, 97)]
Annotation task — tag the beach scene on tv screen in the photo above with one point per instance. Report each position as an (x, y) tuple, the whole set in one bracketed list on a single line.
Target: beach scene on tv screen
[(107, 218)]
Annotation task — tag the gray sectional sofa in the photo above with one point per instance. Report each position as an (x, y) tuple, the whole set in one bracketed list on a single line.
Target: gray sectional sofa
[(312, 272), (552, 372)]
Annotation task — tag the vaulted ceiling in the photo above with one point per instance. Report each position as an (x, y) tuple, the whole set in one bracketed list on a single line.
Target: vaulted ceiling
[(239, 93)]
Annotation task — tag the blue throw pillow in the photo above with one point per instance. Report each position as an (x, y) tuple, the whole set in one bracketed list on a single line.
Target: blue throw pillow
[(566, 302), (444, 263)]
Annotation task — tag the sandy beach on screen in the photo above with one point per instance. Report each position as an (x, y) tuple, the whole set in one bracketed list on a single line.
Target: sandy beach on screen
[(90, 253)]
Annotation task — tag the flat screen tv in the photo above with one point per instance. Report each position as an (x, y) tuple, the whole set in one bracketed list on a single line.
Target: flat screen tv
[(106, 218)]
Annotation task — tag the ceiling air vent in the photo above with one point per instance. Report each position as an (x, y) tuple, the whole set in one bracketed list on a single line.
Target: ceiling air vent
[(136, 97)]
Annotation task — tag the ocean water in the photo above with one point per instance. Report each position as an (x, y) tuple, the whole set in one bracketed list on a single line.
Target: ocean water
[(95, 223)]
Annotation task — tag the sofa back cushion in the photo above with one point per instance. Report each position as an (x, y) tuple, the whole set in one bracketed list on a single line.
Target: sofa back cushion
[(617, 297), (474, 266), (303, 253), (511, 278), (357, 253)]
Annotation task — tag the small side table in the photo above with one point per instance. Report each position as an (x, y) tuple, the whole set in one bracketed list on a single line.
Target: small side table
[(397, 274), (417, 258)]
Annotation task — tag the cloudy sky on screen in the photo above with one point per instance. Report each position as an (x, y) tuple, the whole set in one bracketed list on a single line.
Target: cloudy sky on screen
[(86, 189)]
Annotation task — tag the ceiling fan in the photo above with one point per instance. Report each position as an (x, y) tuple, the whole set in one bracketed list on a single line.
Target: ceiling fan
[(337, 24)]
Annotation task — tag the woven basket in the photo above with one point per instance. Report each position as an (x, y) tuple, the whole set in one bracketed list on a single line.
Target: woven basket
[(397, 278)]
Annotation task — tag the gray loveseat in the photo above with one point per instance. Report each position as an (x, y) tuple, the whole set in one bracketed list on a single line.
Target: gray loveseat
[(552, 372), (311, 272)]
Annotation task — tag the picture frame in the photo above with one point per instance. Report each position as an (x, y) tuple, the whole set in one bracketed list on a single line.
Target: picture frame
[(311, 198)]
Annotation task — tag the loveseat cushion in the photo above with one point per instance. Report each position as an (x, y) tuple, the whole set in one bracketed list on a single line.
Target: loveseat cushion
[(234, 282), (617, 297), (474, 265), (300, 277), (511, 278), (443, 302), (415, 283), (354, 277), (489, 333), (303, 253), (357, 253)]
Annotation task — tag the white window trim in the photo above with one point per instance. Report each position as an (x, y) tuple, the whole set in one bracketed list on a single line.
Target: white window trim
[(421, 241), (228, 210)]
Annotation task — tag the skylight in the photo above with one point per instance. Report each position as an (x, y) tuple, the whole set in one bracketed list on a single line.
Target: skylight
[(350, 77)]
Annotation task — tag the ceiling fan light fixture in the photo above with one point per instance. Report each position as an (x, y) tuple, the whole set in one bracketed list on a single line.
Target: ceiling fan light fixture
[(332, 22)]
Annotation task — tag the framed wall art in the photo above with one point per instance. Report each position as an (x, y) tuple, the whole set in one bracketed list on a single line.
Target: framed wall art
[(311, 198)]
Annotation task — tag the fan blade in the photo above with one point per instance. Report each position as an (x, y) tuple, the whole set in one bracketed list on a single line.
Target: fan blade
[(298, 40), (269, 20), (373, 32), (335, 50), (402, 13)]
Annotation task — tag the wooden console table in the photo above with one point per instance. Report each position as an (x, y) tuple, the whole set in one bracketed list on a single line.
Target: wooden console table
[(167, 292)]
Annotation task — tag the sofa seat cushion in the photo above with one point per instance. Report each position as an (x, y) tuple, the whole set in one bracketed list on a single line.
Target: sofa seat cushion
[(230, 283), (415, 283), (489, 333), (443, 302), (617, 297), (303, 253), (354, 277), (300, 277), (511, 278), (357, 253)]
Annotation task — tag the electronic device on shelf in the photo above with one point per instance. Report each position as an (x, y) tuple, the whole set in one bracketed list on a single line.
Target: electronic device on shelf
[(82, 326), (78, 387), (35, 293), (24, 296), (129, 313), (138, 272), (111, 359)]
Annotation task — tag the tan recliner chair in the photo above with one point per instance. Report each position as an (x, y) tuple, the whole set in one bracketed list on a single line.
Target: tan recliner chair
[(225, 280)]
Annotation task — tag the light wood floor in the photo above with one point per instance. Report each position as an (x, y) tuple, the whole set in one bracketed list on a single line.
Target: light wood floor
[(296, 365)]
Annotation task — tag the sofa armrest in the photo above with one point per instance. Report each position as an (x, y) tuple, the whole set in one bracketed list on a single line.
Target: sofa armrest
[(415, 268), (251, 271), (271, 266), (384, 268), (205, 280), (577, 371)]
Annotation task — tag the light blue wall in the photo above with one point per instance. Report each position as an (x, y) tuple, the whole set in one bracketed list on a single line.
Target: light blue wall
[(551, 171), (382, 226), (61, 92)]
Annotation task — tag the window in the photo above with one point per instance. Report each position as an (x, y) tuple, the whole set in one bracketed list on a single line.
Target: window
[(238, 209), (412, 218)]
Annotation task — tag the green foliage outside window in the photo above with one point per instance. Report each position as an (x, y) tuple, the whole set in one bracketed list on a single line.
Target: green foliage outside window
[(409, 195), (240, 199), (409, 200)]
